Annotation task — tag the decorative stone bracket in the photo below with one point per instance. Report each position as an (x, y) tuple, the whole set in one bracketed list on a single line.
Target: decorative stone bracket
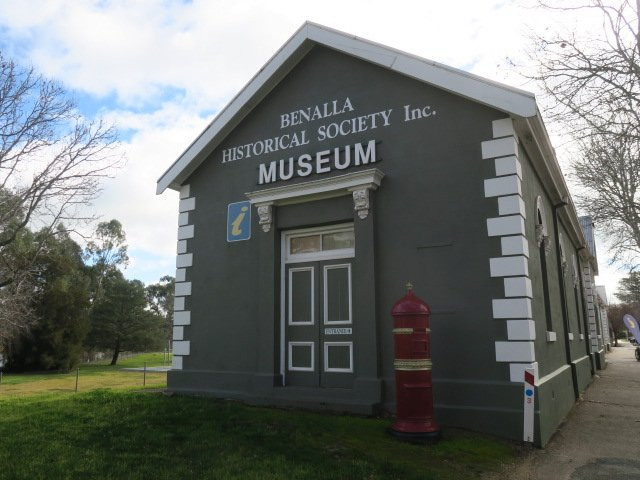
[(357, 184), (361, 202), (265, 216), (543, 238)]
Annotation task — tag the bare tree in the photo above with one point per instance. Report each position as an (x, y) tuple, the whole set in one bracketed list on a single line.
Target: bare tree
[(52, 162), (16, 311), (593, 78), (592, 83), (608, 169)]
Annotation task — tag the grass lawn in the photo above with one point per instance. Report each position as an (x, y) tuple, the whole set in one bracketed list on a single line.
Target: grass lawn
[(91, 376), (110, 429), (107, 434)]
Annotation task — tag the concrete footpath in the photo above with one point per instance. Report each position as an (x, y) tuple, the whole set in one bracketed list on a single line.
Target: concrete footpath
[(600, 438)]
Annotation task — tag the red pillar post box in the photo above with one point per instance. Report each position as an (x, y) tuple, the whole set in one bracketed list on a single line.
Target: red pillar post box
[(414, 387)]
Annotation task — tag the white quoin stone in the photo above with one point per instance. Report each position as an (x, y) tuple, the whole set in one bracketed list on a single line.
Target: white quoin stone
[(182, 318), (181, 347), (186, 231), (178, 303), (512, 308), (178, 333), (515, 245), (520, 330), (508, 166), (509, 225), (187, 204), (184, 260), (515, 352), (500, 147), (509, 266), (181, 274), (510, 205), (517, 287), (503, 128), (176, 362), (182, 289), (509, 185)]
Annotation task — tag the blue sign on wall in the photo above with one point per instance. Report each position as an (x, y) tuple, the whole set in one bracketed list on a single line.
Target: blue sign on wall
[(239, 221)]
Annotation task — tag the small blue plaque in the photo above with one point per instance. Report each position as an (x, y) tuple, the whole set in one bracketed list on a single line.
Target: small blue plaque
[(239, 221)]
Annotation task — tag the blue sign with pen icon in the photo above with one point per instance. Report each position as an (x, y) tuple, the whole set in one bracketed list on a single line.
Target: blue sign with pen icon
[(239, 221)]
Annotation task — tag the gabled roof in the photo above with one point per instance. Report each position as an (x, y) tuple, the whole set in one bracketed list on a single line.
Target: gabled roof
[(515, 102)]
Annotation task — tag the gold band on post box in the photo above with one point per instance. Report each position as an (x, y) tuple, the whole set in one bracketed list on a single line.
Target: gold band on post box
[(412, 364), (402, 331)]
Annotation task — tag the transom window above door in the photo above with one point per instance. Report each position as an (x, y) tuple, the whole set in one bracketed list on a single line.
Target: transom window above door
[(319, 243)]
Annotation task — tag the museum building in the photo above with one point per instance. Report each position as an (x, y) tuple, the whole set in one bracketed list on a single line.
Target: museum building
[(345, 169)]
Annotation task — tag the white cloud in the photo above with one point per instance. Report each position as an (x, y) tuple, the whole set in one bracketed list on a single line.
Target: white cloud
[(171, 64), (149, 220), (209, 49)]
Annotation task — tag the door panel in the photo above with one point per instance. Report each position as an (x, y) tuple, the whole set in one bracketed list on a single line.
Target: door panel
[(301, 356), (337, 293), (301, 295), (301, 329)]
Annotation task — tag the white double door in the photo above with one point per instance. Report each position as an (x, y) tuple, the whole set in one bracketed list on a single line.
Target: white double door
[(319, 323)]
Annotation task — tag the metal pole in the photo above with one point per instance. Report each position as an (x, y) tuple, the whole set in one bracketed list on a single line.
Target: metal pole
[(77, 375), (144, 378)]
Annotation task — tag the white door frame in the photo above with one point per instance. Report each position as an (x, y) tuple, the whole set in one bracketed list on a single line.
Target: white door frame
[(287, 258)]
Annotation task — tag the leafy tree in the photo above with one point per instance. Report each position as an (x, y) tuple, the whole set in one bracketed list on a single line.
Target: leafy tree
[(106, 252), (160, 300), (629, 289), (60, 303), (120, 318)]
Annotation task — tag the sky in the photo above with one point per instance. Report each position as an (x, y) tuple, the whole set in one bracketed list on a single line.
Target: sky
[(161, 70)]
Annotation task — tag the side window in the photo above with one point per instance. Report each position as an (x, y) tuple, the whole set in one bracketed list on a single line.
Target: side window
[(576, 286), (563, 257), (542, 239)]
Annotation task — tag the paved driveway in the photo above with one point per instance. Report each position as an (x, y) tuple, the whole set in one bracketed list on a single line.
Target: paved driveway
[(601, 436)]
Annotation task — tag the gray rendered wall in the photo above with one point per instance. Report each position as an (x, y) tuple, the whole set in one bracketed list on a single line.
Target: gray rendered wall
[(555, 383), (427, 225)]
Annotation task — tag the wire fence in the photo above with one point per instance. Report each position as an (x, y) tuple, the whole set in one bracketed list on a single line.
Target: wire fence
[(149, 372)]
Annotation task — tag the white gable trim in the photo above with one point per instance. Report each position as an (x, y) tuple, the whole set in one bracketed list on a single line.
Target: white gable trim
[(508, 99)]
